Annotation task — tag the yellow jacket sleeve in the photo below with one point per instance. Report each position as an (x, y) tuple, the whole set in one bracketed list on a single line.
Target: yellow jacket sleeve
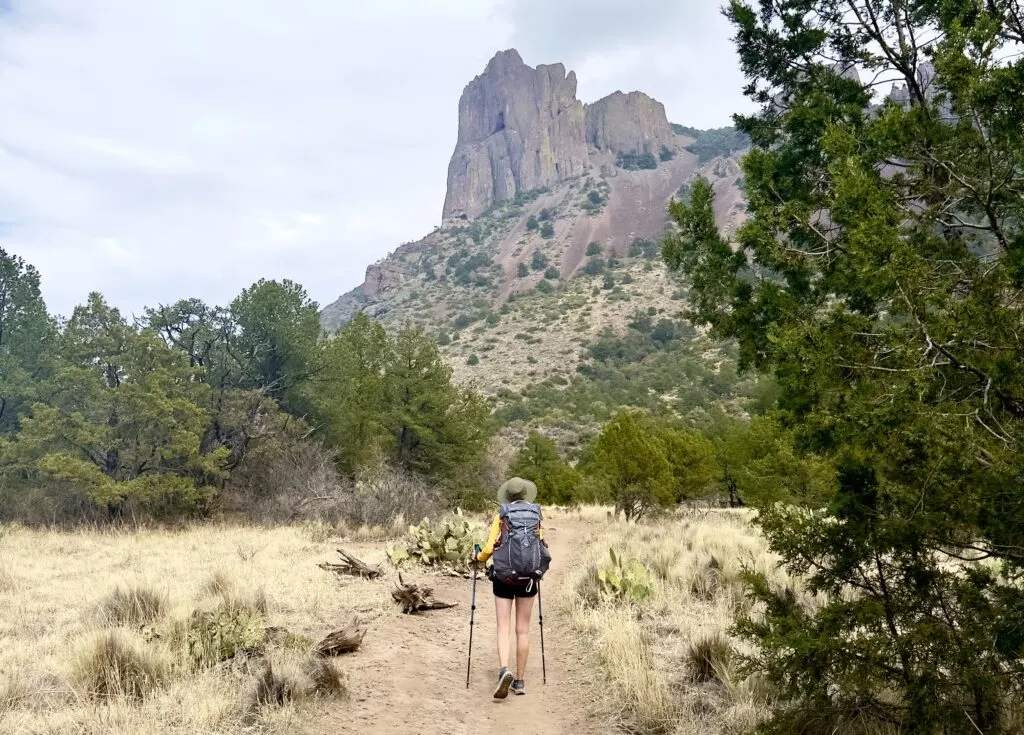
[(492, 539)]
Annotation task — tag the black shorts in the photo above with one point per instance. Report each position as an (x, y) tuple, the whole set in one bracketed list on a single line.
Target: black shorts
[(512, 591)]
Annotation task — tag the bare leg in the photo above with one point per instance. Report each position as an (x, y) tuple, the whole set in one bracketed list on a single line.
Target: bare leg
[(524, 610), (503, 610)]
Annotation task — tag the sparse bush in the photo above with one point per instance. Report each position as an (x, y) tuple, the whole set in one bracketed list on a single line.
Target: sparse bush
[(384, 495), (443, 338), (709, 658), (595, 198), (544, 287), (133, 607), (636, 161), (522, 270), (666, 154), (273, 689), (472, 360), (115, 664), (593, 248), (325, 676), (532, 223), (546, 215), (285, 477), (547, 231), (492, 319), (642, 247), (538, 261), (552, 274), (594, 267)]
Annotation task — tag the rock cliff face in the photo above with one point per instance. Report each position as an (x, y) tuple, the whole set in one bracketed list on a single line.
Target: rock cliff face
[(628, 123), (519, 129)]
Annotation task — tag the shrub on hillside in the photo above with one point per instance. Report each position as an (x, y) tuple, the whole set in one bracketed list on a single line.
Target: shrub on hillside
[(593, 248), (547, 231), (595, 266)]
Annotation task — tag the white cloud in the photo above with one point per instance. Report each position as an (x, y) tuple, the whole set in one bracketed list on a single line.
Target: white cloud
[(154, 151)]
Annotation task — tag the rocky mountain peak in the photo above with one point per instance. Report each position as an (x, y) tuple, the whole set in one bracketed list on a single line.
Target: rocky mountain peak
[(520, 128), (628, 123)]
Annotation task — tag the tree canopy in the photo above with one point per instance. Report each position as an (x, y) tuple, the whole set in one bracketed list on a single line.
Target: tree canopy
[(879, 278)]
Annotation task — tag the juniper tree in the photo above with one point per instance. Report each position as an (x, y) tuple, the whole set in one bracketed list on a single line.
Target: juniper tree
[(880, 277)]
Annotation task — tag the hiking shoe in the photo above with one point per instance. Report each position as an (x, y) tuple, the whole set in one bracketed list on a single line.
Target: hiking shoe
[(519, 687), (505, 678)]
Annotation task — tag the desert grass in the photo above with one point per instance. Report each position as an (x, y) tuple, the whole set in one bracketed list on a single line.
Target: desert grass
[(668, 659), (88, 623)]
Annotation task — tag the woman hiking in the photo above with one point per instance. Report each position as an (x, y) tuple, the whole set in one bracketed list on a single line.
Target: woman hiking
[(519, 558)]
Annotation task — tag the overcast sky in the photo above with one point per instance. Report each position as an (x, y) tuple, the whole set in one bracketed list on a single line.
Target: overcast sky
[(157, 150)]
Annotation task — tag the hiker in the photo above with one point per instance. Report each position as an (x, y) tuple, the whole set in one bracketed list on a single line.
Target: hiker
[(515, 573)]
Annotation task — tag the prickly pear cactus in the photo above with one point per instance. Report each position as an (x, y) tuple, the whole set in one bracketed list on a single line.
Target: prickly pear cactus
[(446, 543), (624, 581)]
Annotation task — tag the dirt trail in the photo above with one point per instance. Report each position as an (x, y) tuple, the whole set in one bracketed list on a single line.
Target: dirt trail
[(410, 677)]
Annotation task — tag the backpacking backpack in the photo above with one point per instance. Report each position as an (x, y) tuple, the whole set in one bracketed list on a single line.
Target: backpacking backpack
[(520, 557)]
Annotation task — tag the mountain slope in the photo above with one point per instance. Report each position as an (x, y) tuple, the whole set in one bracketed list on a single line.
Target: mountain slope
[(515, 292)]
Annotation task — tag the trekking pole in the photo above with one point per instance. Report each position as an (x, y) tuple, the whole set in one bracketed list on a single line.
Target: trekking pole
[(472, 611), (540, 612)]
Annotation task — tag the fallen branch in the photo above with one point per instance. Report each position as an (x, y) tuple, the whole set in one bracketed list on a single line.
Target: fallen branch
[(342, 641), (351, 566), (414, 598)]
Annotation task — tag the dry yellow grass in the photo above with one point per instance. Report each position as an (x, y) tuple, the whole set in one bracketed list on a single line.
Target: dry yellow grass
[(57, 590), (645, 649)]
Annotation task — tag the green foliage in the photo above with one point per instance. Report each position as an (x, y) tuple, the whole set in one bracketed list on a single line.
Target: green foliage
[(715, 142), (631, 459), (472, 360), (691, 460), (522, 270), (892, 330), (278, 326), (125, 423), (666, 154), (544, 287), (532, 224), (547, 230), (636, 161), (595, 266), (27, 339), (546, 215), (538, 261), (642, 247), (552, 274), (379, 393), (538, 461), (443, 338), (444, 543), (593, 248), (624, 581)]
